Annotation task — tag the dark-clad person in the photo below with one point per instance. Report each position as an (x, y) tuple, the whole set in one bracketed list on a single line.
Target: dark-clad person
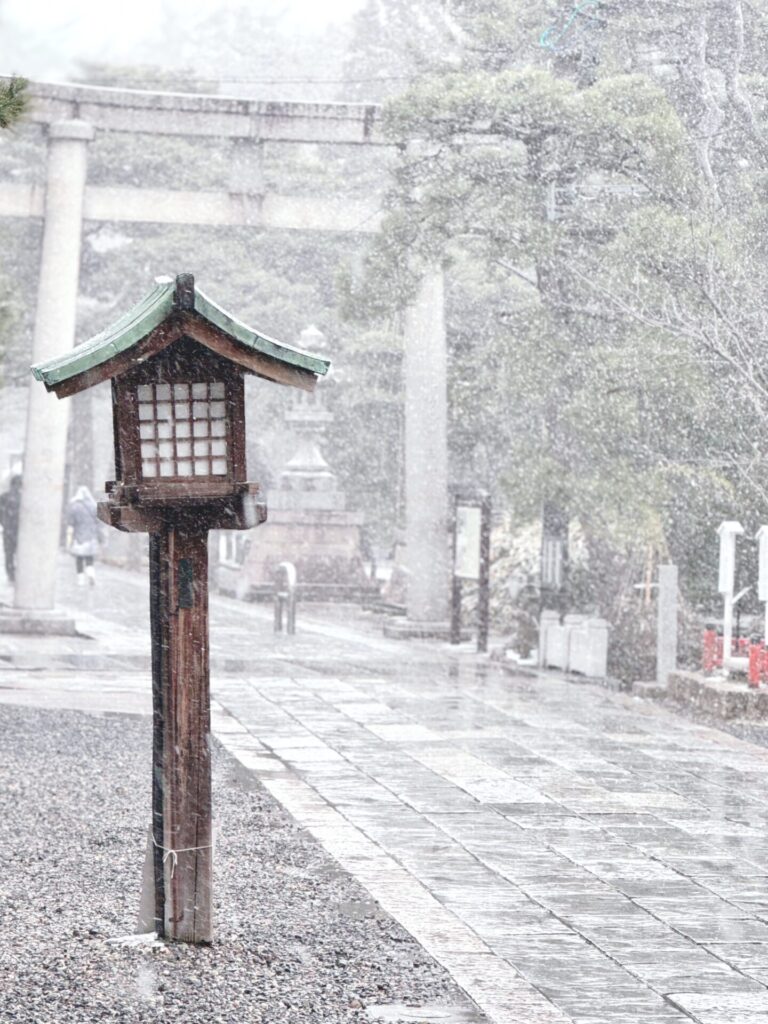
[(10, 503)]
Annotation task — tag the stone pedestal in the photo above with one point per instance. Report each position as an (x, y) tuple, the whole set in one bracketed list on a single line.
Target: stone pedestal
[(323, 545), (36, 622)]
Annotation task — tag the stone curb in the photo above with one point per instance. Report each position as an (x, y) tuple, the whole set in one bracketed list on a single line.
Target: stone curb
[(531, 672), (722, 698)]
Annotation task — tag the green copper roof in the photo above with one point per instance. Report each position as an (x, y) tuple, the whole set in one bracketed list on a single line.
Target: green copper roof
[(153, 309)]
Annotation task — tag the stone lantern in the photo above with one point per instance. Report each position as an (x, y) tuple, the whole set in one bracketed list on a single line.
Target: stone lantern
[(309, 523)]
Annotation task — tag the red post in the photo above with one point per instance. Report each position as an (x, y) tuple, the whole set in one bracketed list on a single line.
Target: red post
[(756, 664), (709, 650)]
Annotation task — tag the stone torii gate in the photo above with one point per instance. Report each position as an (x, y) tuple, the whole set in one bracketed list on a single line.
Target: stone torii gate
[(71, 115)]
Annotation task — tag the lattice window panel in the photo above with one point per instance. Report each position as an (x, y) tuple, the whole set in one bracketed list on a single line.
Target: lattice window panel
[(183, 430)]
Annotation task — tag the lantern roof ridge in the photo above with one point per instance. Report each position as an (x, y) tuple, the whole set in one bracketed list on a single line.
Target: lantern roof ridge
[(169, 297), (133, 325)]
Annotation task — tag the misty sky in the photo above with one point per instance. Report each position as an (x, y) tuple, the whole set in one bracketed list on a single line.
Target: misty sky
[(44, 38)]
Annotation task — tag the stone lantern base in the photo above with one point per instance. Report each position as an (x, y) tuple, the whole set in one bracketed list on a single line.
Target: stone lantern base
[(324, 546), (32, 622)]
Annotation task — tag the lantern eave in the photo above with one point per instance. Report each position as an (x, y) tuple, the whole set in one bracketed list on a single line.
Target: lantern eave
[(159, 319)]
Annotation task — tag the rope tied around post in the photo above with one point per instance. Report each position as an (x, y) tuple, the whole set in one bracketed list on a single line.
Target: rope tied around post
[(174, 854)]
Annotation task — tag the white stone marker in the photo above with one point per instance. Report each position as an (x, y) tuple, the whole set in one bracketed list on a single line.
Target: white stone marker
[(666, 624), (728, 531)]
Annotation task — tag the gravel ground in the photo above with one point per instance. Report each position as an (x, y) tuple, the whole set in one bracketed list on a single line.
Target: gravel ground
[(297, 940)]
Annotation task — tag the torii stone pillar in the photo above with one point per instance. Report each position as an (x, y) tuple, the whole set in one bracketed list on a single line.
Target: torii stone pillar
[(46, 437), (426, 455)]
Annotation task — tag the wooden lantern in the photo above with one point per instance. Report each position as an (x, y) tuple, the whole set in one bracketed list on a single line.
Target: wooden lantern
[(177, 362)]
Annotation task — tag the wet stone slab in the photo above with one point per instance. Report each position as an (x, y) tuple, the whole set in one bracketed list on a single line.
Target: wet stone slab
[(711, 931), (745, 956), (723, 1008)]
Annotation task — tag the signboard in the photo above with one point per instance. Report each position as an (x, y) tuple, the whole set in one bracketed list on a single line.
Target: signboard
[(762, 562), (469, 523), (552, 562), (471, 561)]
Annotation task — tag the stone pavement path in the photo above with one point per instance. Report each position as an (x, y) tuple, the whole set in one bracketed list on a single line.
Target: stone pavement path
[(540, 839), (569, 854)]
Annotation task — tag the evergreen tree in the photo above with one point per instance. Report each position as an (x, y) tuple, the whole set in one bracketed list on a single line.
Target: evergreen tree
[(593, 174)]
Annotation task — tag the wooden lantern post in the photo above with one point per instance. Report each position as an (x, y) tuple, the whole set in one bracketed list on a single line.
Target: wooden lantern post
[(177, 362)]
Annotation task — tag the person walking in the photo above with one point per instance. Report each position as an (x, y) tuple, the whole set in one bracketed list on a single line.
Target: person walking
[(10, 503), (84, 534)]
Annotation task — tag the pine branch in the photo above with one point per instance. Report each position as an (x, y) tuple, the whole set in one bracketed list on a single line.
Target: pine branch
[(13, 100)]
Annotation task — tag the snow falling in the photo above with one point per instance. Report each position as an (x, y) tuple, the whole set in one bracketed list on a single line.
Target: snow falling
[(384, 616)]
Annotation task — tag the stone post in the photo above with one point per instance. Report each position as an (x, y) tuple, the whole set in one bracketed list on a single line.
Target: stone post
[(46, 437), (426, 455), (666, 632), (549, 618)]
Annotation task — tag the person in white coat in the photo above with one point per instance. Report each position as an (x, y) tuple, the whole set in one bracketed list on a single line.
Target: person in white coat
[(84, 535)]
